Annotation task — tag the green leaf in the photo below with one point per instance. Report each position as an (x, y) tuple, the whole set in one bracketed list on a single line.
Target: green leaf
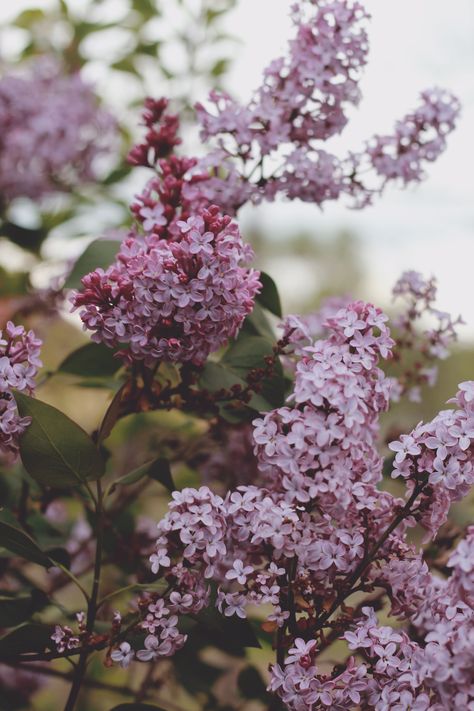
[(251, 684), (220, 67), (18, 543), (258, 324), (111, 416), (218, 376), (91, 360), (27, 18), (54, 450), (26, 237), (245, 354), (248, 353), (60, 555), (16, 609), (269, 297), (127, 64), (100, 253), (116, 175), (157, 469), (27, 638), (231, 633)]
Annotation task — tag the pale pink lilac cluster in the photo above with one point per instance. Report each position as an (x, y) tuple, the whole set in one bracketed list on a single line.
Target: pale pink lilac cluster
[(163, 638), (433, 668), (172, 300), (303, 687), (424, 333), (419, 138), (319, 526), (19, 364), (65, 638), (323, 446), (52, 131), (440, 454), (274, 144)]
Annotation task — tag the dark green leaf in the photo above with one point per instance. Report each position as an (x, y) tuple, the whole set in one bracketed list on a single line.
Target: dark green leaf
[(192, 673), (100, 253), (111, 416), (27, 638), (18, 543), (251, 684), (269, 297), (26, 237), (231, 633), (48, 536), (218, 376), (246, 354), (91, 360), (54, 450), (60, 555), (16, 609), (157, 469)]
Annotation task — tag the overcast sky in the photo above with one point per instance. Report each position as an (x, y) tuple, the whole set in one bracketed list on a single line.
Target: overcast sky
[(414, 44)]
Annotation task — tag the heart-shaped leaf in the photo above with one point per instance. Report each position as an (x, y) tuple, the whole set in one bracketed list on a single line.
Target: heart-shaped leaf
[(54, 450), (100, 253), (93, 360)]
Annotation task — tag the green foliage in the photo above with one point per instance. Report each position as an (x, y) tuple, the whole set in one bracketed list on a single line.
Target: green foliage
[(158, 469), (54, 450), (231, 634), (257, 323), (18, 543), (251, 684), (249, 353), (15, 609), (93, 360), (100, 253), (27, 638), (269, 297)]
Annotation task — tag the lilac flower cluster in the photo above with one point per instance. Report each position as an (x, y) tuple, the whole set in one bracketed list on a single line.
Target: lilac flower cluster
[(440, 454), (431, 670), (423, 331), (419, 137), (324, 446), (19, 364), (273, 145), (320, 527), (173, 300), (51, 132)]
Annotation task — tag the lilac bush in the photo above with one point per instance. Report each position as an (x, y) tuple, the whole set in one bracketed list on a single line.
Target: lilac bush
[(293, 522), (52, 131)]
